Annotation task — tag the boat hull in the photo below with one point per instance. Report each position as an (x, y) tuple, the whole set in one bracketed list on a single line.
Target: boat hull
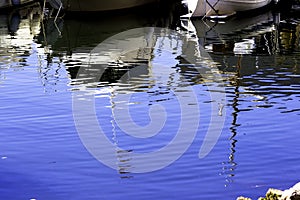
[(102, 5), (227, 7)]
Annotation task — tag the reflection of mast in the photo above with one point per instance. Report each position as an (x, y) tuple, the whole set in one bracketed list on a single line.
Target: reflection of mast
[(122, 155), (234, 124)]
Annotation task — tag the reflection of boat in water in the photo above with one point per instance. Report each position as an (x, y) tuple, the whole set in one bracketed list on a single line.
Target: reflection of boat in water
[(265, 35), (210, 8), (237, 35), (135, 48), (74, 38), (17, 31), (80, 34)]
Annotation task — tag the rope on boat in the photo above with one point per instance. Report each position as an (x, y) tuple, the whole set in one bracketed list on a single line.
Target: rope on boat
[(213, 6), (60, 7), (56, 4)]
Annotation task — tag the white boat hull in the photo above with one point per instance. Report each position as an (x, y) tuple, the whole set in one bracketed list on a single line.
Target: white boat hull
[(102, 5), (225, 7)]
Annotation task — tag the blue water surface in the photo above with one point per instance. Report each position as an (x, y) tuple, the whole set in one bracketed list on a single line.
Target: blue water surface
[(43, 157)]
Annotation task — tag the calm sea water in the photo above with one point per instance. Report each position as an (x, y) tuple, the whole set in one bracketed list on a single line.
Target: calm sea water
[(50, 75)]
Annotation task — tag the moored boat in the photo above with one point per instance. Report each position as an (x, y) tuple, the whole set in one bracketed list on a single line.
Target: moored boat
[(221, 8), (101, 5)]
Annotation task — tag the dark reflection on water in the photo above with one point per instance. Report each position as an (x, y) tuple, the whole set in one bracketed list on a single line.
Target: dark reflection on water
[(40, 62)]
